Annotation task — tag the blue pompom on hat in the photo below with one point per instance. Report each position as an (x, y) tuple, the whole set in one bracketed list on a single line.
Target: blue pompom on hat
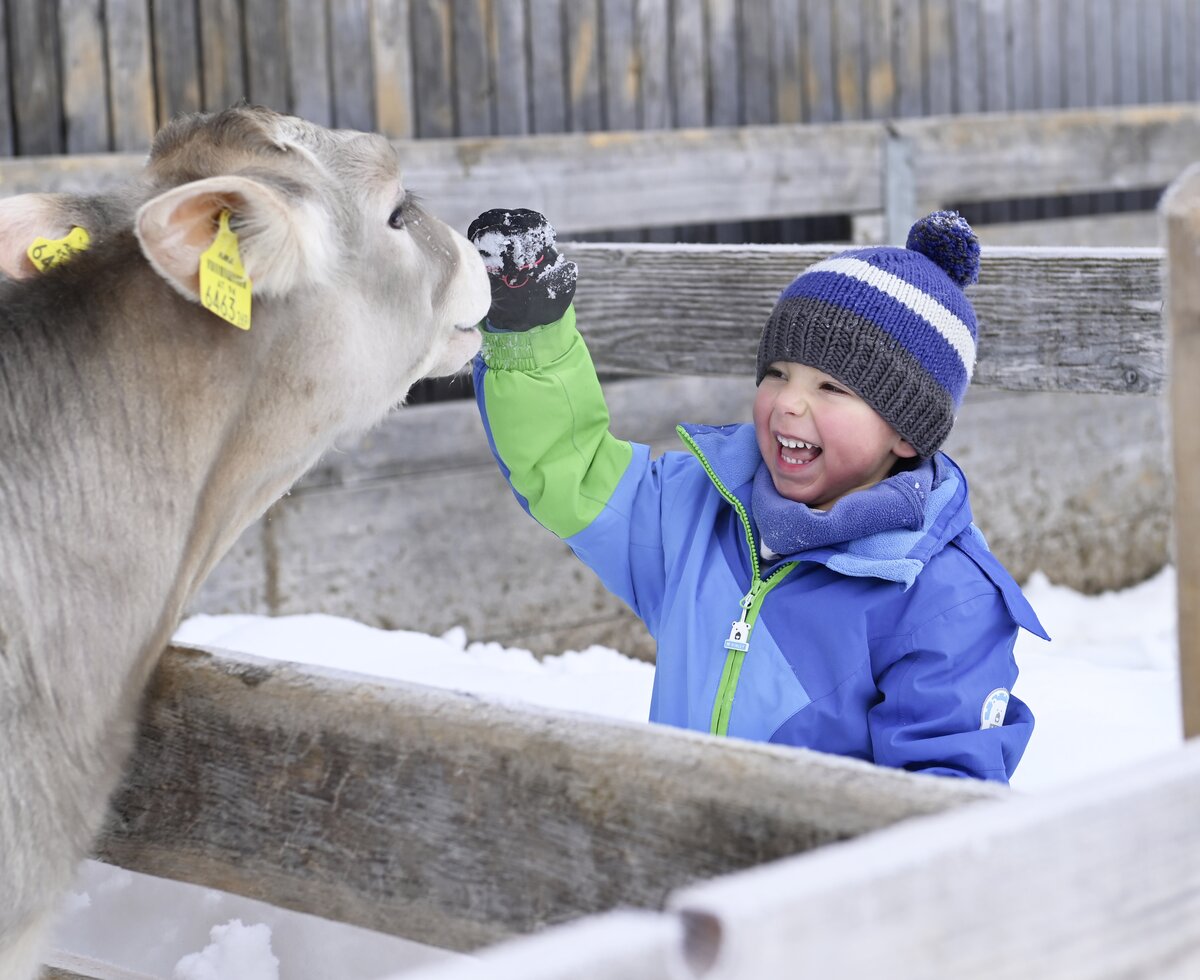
[(892, 324)]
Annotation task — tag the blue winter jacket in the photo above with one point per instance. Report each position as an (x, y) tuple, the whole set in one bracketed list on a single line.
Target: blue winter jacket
[(894, 648)]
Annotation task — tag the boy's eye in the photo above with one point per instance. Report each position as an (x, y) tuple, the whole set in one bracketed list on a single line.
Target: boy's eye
[(772, 372), (836, 389)]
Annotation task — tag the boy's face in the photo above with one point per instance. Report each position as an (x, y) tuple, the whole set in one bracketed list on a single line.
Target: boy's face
[(820, 440)]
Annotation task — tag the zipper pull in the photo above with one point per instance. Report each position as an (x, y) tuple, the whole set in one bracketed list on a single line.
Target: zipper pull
[(739, 634)]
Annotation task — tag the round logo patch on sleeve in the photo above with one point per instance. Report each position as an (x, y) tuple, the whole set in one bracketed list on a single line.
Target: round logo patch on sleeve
[(995, 706)]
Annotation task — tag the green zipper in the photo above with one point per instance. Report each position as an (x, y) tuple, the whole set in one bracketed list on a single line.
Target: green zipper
[(750, 604)]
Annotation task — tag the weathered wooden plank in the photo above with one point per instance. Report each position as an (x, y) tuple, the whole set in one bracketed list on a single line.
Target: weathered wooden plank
[(547, 69), (724, 62), (433, 62), (992, 155), (850, 60), (1128, 30), (758, 93), (817, 48), (1099, 880), (1151, 48), (653, 32), (508, 40), (457, 820), (909, 59), (392, 60), (85, 89), (266, 39), (176, 58), (1181, 210), (880, 58), (311, 92), (131, 89), (1176, 58), (788, 62), (1073, 54), (472, 72), (617, 180), (622, 73), (350, 68), (581, 26), (939, 56), (689, 65), (36, 91), (1079, 320), (222, 65), (633, 180)]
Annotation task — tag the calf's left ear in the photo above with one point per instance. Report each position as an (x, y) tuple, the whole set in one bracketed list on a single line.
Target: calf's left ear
[(24, 218), (284, 243)]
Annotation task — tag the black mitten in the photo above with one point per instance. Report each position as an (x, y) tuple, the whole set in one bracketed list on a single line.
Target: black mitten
[(531, 283)]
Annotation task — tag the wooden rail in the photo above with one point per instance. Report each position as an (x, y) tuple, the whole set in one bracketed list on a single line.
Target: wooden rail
[(1063, 320), (614, 181), (456, 820), (1095, 880)]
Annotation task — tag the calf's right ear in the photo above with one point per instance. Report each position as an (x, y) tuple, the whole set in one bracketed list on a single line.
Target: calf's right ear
[(284, 242)]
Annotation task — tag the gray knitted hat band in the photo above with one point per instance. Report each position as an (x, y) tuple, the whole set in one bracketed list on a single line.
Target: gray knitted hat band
[(869, 362)]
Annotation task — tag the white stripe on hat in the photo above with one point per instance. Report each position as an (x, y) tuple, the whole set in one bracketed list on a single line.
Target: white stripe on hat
[(943, 320)]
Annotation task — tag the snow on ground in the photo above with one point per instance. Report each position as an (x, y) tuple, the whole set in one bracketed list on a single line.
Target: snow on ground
[(1105, 694)]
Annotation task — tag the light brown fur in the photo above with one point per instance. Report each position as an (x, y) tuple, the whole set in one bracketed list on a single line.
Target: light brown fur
[(139, 434)]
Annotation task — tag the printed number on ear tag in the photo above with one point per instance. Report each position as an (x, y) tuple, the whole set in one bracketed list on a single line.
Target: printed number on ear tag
[(46, 253), (224, 286)]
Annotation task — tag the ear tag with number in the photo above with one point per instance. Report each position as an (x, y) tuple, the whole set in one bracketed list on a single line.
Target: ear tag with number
[(46, 253), (224, 286)]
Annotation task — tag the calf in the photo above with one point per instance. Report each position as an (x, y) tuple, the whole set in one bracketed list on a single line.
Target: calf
[(141, 432)]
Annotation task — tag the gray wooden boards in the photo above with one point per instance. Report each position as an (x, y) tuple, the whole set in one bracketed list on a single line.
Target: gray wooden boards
[(1181, 223), (457, 820), (610, 181), (1095, 880), (1062, 320)]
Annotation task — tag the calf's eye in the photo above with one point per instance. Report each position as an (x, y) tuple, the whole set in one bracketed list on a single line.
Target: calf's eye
[(397, 219)]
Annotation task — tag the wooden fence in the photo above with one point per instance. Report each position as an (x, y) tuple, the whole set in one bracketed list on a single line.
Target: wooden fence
[(457, 820), (85, 76)]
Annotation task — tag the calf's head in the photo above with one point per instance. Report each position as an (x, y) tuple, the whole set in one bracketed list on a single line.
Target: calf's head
[(361, 291)]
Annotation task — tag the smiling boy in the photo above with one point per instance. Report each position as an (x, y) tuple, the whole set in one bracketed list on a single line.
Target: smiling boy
[(813, 578)]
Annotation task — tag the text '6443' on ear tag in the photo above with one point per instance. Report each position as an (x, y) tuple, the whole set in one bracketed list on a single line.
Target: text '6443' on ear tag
[(46, 253), (224, 285)]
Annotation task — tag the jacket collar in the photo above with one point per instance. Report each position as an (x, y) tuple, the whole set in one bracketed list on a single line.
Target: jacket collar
[(731, 455)]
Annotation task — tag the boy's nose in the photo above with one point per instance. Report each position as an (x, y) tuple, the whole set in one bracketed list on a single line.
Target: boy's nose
[(794, 402)]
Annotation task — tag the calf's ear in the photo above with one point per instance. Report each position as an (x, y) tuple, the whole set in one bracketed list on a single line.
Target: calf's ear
[(285, 243), (24, 218)]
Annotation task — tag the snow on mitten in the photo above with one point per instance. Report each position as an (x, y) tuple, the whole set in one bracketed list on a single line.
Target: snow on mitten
[(531, 283)]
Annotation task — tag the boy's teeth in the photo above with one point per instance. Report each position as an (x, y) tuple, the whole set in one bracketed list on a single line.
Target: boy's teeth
[(794, 443)]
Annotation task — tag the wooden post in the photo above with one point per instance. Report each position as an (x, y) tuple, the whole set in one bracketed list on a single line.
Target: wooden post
[(899, 190), (1181, 219)]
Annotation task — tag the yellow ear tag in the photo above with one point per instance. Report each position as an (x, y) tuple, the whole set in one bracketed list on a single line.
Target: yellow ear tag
[(224, 285), (46, 253)]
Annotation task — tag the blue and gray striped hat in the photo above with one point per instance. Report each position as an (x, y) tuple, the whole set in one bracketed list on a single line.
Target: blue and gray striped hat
[(892, 324)]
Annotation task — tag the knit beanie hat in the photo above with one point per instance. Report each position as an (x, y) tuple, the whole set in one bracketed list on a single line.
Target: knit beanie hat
[(892, 324)]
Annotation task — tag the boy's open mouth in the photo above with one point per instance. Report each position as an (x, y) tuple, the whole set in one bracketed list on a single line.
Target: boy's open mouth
[(797, 452)]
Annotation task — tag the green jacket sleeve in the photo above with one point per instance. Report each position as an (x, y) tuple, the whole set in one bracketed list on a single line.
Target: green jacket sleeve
[(545, 417)]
